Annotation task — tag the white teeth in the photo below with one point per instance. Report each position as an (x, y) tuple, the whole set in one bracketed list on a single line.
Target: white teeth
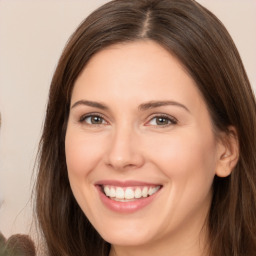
[(137, 193), (112, 192), (145, 192), (119, 193), (155, 189), (107, 190), (150, 192), (129, 193), (122, 194)]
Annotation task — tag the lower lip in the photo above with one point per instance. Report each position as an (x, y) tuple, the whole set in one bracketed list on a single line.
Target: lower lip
[(125, 207)]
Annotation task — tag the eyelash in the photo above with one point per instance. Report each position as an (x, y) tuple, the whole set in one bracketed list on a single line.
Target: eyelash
[(84, 117), (169, 119)]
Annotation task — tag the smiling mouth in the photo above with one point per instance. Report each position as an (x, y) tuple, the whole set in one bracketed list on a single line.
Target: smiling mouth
[(127, 194)]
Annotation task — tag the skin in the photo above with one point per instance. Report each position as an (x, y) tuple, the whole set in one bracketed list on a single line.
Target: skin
[(129, 143)]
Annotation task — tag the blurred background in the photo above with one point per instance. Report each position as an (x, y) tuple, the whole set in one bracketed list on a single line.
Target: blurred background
[(32, 36)]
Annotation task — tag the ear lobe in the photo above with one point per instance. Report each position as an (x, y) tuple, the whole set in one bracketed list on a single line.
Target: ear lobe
[(228, 153)]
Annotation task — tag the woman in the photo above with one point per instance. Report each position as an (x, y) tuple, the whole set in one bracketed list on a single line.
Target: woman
[(149, 138)]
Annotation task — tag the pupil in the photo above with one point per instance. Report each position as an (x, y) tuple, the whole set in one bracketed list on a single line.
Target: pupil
[(161, 120), (96, 120)]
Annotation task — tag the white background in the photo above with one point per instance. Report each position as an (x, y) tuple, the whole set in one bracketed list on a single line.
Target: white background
[(32, 36)]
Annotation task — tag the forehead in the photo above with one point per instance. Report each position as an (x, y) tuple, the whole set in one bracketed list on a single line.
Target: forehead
[(135, 71)]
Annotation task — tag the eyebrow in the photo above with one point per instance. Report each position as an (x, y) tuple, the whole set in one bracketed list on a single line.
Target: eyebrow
[(142, 107), (90, 104), (156, 104)]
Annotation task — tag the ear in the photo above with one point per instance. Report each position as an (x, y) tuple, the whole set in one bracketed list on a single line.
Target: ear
[(228, 152)]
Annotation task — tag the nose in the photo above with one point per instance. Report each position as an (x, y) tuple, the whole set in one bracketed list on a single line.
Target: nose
[(124, 150)]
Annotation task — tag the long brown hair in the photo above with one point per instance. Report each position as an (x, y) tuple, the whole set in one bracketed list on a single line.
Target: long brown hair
[(202, 44)]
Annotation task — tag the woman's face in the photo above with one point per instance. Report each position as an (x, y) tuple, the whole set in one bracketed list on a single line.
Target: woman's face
[(140, 148)]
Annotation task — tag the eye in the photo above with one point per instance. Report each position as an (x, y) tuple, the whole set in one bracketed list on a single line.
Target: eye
[(93, 120), (162, 120)]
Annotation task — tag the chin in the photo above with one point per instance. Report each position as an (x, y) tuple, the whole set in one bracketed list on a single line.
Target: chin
[(126, 237), (126, 241)]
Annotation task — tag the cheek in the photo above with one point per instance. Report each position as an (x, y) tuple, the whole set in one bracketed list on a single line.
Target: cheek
[(188, 164), (82, 153), (186, 156)]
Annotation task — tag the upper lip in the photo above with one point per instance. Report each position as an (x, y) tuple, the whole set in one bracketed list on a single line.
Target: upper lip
[(126, 183)]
